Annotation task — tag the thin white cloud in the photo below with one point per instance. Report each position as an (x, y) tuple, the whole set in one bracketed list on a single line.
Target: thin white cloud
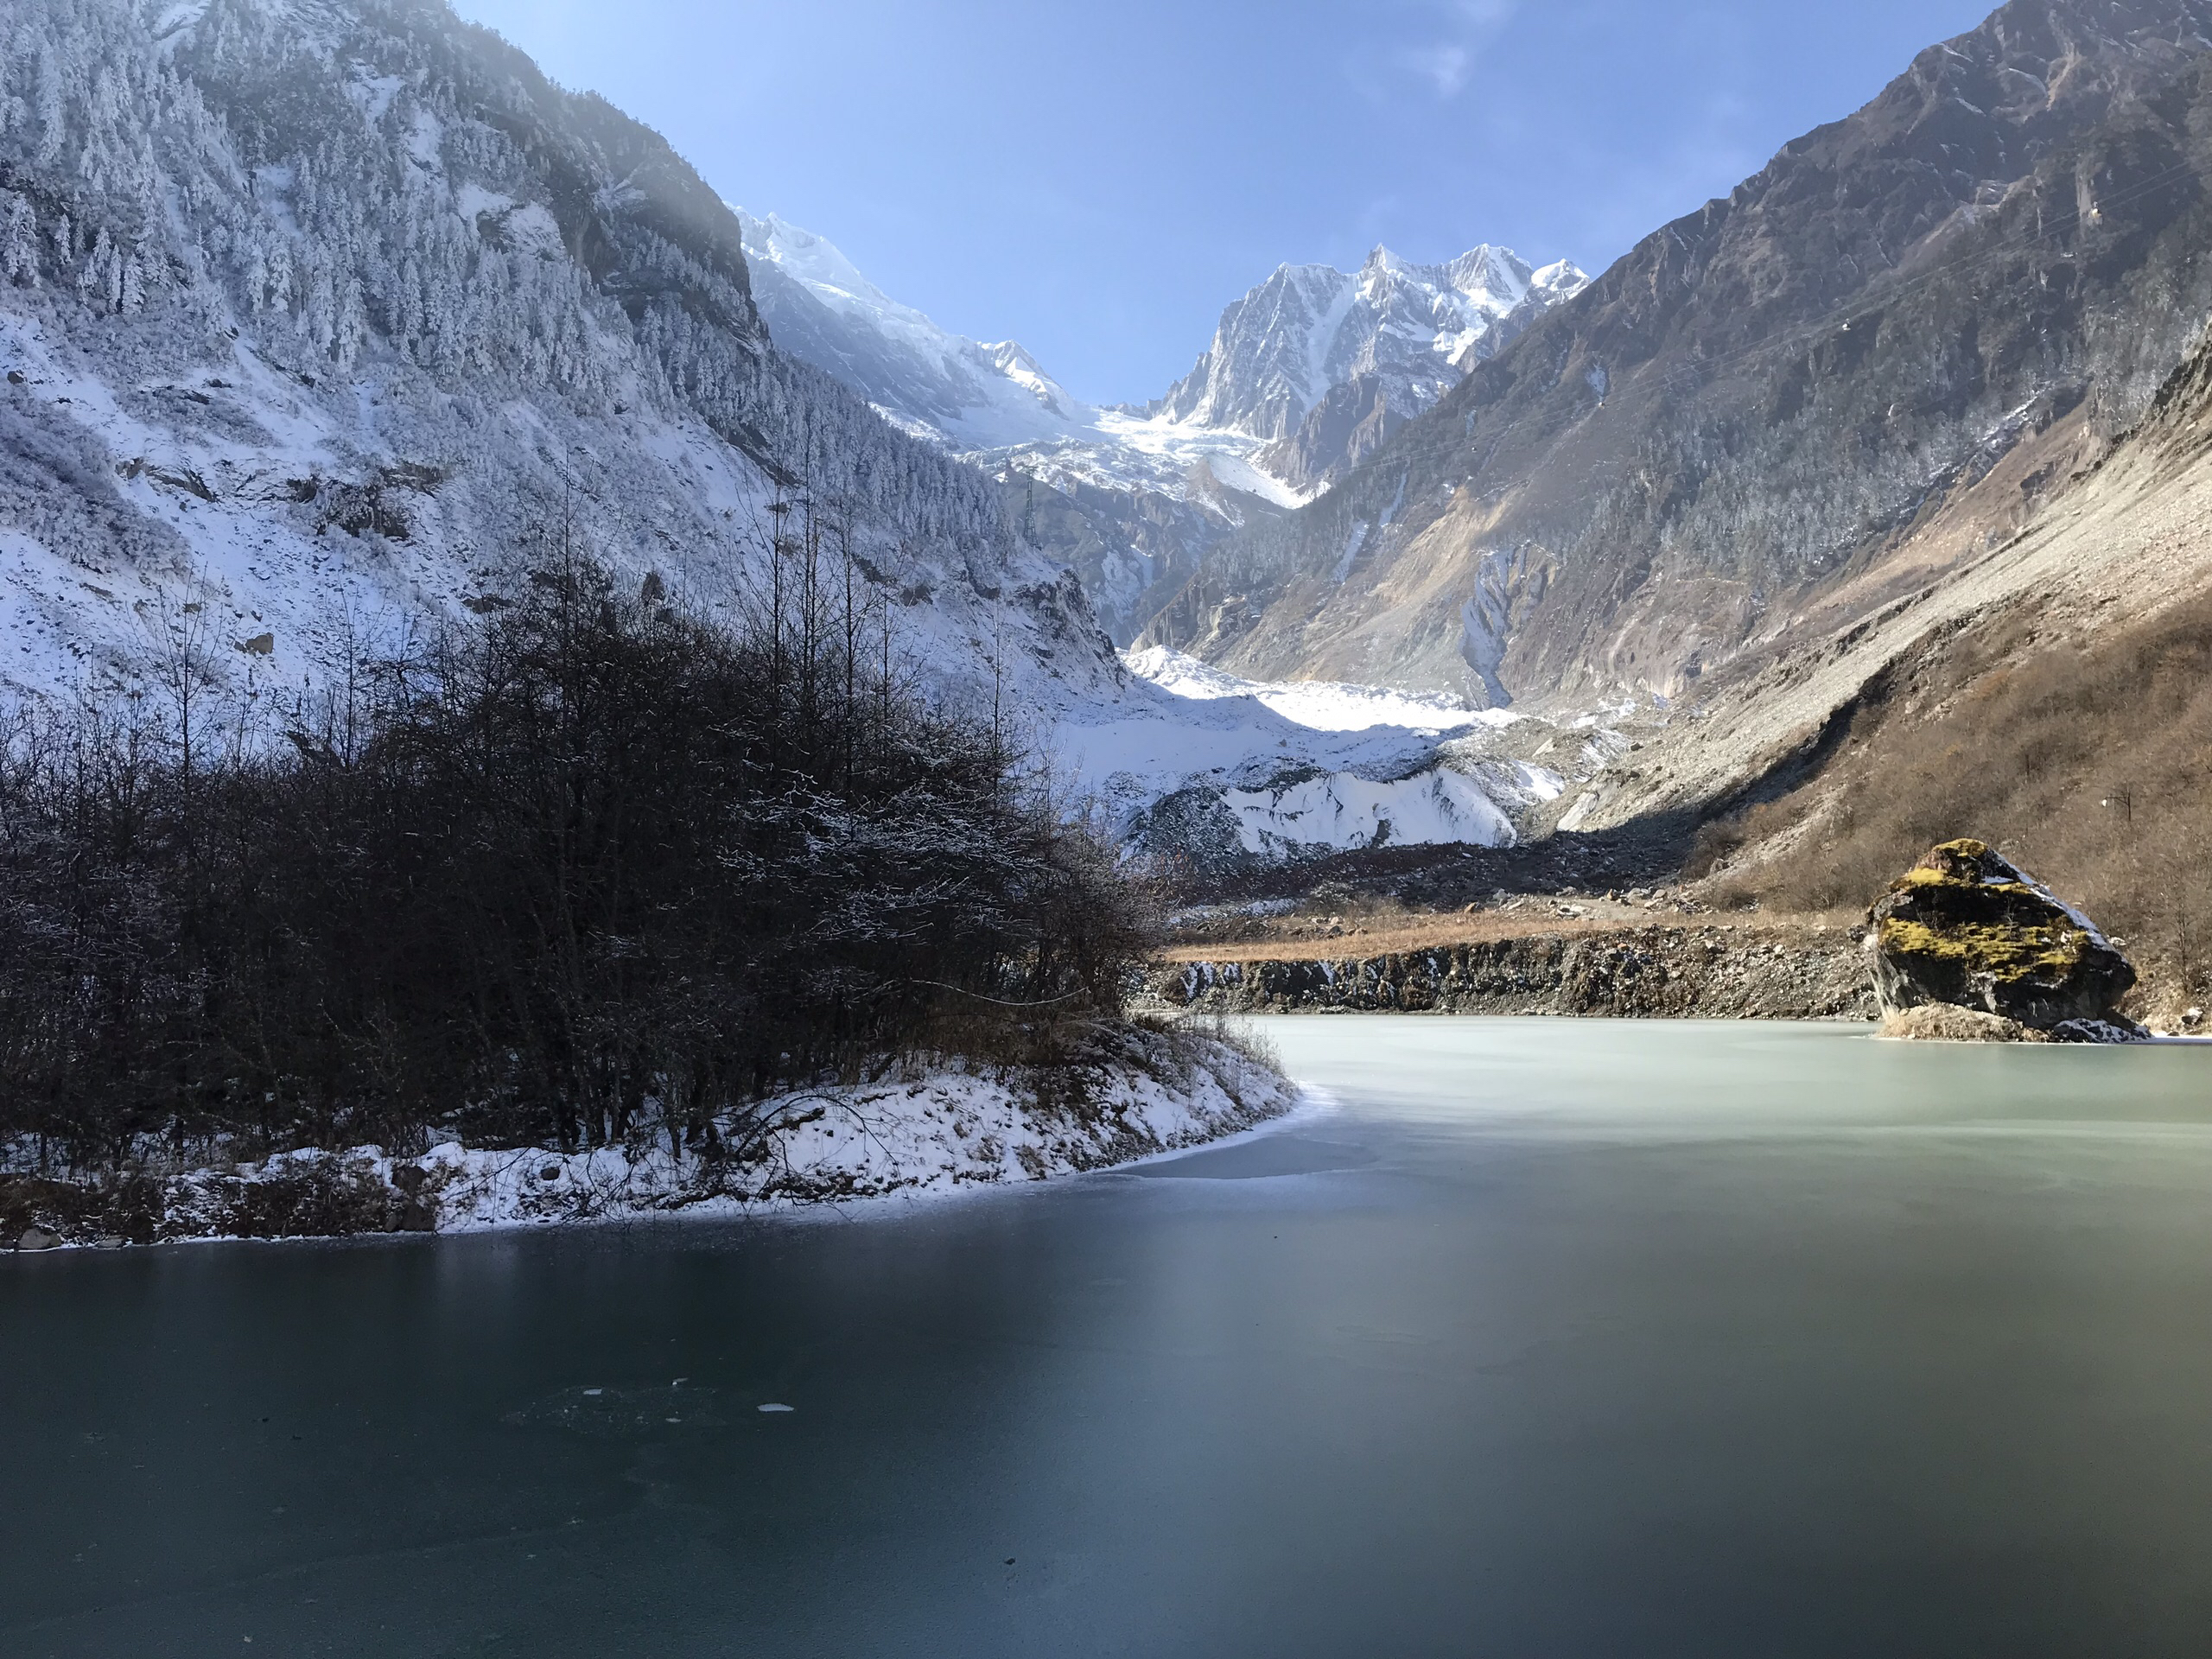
[(1444, 65), (1448, 60)]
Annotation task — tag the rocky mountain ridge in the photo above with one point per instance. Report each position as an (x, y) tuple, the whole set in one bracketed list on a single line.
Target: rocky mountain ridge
[(1305, 374), (1754, 407)]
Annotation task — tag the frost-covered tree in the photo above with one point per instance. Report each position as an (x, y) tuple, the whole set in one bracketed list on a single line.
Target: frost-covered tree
[(330, 246), (18, 239)]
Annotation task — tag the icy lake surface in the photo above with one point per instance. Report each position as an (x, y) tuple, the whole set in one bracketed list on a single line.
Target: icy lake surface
[(1550, 1338)]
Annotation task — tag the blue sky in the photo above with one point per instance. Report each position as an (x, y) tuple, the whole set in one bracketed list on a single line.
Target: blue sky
[(1098, 179)]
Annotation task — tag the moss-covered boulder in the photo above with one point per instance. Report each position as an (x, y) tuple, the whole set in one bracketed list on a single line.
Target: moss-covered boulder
[(1967, 927)]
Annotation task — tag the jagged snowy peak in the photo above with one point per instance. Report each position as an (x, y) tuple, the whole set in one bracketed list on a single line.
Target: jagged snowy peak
[(962, 393), (1555, 284), (1308, 329), (1309, 372), (319, 320), (1130, 502), (1266, 364)]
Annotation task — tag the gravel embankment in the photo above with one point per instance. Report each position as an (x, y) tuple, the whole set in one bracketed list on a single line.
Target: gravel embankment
[(1649, 972)]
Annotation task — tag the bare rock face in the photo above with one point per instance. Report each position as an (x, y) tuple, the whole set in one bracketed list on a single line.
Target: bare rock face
[(1965, 929)]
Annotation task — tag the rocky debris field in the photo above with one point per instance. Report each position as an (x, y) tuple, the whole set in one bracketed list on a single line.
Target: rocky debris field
[(1657, 971), (1649, 854)]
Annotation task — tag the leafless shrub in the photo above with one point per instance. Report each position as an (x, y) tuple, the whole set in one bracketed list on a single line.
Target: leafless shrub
[(1235, 1033), (595, 871)]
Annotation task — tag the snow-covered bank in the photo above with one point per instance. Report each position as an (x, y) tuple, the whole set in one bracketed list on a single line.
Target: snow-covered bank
[(939, 1132)]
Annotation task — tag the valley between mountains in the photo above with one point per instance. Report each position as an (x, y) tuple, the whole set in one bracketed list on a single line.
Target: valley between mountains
[(1483, 634), (1856, 509)]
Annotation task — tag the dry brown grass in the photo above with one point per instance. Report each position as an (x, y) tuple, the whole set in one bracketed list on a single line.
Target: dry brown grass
[(2089, 762)]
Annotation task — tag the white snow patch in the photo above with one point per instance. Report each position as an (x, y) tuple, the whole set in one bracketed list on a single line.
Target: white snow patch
[(1323, 705), (1302, 767), (1233, 471), (934, 1134), (1349, 557), (1438, 807)]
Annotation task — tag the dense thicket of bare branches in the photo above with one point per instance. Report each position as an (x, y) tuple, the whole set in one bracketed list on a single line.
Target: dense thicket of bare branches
[(594, 869)]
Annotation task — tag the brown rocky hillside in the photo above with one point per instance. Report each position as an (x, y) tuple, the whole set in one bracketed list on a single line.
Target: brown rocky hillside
[(1985, 274)]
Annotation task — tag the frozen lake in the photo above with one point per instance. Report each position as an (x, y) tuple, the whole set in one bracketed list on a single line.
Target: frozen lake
[(1549, 1338)]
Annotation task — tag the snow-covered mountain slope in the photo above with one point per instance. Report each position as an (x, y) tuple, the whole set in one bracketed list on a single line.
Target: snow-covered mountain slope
[(320, 319), (959, 392), (1307, 373), (1127, 500), (1197, 765), (1310, 328)]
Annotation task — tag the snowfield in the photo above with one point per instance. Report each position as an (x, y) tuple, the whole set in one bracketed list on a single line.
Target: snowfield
[(1292, 769), (936, 1132), (1325, 706)]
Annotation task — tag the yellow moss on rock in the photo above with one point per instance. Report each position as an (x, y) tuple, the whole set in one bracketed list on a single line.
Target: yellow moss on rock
[(1920, 875), (2004, 952), (1966, 928), (1966, 848)]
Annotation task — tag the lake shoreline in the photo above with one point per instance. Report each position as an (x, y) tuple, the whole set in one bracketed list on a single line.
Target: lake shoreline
[(1526, 1295), (933, 1135)]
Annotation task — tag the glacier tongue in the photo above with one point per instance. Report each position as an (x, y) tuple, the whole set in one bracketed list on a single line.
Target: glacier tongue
[(1321, 705), (1194, 764)]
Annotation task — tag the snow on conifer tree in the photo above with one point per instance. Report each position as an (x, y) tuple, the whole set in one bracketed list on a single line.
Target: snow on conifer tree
[(321, 314)]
